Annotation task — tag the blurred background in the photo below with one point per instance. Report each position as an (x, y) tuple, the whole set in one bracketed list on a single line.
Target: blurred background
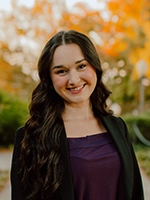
[(120, 31)]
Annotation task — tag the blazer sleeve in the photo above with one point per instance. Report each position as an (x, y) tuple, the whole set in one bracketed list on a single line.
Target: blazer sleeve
[(17, 189), (137, 192), (17, 192)]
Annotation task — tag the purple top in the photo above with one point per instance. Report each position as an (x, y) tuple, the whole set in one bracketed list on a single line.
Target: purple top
[(96, 168)]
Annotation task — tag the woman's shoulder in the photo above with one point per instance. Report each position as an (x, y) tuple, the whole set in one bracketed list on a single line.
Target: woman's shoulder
[(20, 133), (117, 118), (114, 118), (115, 121), (20, 130)]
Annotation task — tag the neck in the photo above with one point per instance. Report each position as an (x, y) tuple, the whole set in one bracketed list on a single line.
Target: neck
[(78, 112)]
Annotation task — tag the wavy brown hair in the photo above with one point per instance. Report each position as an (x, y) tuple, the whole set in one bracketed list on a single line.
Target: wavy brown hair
[(41, 157)]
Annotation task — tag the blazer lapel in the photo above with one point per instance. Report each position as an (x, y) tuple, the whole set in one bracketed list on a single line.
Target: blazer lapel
[(66, 189), (118, 135)]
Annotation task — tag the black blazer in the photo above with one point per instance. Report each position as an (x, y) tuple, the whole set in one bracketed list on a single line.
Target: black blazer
[(132, 184)]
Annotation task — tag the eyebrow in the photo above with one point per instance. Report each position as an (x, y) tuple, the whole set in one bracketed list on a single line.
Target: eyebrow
[(79, 61), (60, 66)]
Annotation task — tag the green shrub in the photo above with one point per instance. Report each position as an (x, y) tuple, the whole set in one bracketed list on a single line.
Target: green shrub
[(143, 155), (13, 113), (143, 123)]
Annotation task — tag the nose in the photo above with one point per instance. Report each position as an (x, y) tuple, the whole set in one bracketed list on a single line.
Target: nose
[(73, 78)]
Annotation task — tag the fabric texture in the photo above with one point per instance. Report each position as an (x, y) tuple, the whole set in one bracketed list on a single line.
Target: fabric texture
[(96, 167)]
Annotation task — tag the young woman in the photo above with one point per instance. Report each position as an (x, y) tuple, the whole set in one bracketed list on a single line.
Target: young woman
[(72, 147)]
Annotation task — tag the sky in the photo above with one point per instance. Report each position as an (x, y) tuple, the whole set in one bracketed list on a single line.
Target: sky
[(5, 4)]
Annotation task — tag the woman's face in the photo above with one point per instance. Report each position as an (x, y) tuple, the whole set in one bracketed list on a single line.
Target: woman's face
[(73, 78)]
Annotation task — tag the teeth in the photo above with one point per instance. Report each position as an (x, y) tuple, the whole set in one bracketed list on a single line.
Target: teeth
[(76, 89)]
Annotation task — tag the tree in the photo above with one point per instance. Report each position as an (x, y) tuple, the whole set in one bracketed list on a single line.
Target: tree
[(119, 30)]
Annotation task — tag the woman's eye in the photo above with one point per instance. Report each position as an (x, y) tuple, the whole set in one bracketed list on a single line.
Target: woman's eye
[(81, 66), (61, 71)]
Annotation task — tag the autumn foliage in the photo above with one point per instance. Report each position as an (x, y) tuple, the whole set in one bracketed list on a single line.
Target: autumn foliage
[(119, 30)]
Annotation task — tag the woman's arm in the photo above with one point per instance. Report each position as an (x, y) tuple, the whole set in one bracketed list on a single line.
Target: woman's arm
[(17, 192), (137, 192)]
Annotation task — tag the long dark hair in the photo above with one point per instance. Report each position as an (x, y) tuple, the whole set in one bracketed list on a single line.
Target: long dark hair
[(41, 158)]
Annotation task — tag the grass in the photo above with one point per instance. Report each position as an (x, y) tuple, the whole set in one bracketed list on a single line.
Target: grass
[(143, 155), (4, 176)]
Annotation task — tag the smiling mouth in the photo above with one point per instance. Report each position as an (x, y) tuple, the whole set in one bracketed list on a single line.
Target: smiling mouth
[(77, 88)]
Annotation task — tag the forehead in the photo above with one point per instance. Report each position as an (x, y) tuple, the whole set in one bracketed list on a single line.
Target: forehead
[(67, 53)]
